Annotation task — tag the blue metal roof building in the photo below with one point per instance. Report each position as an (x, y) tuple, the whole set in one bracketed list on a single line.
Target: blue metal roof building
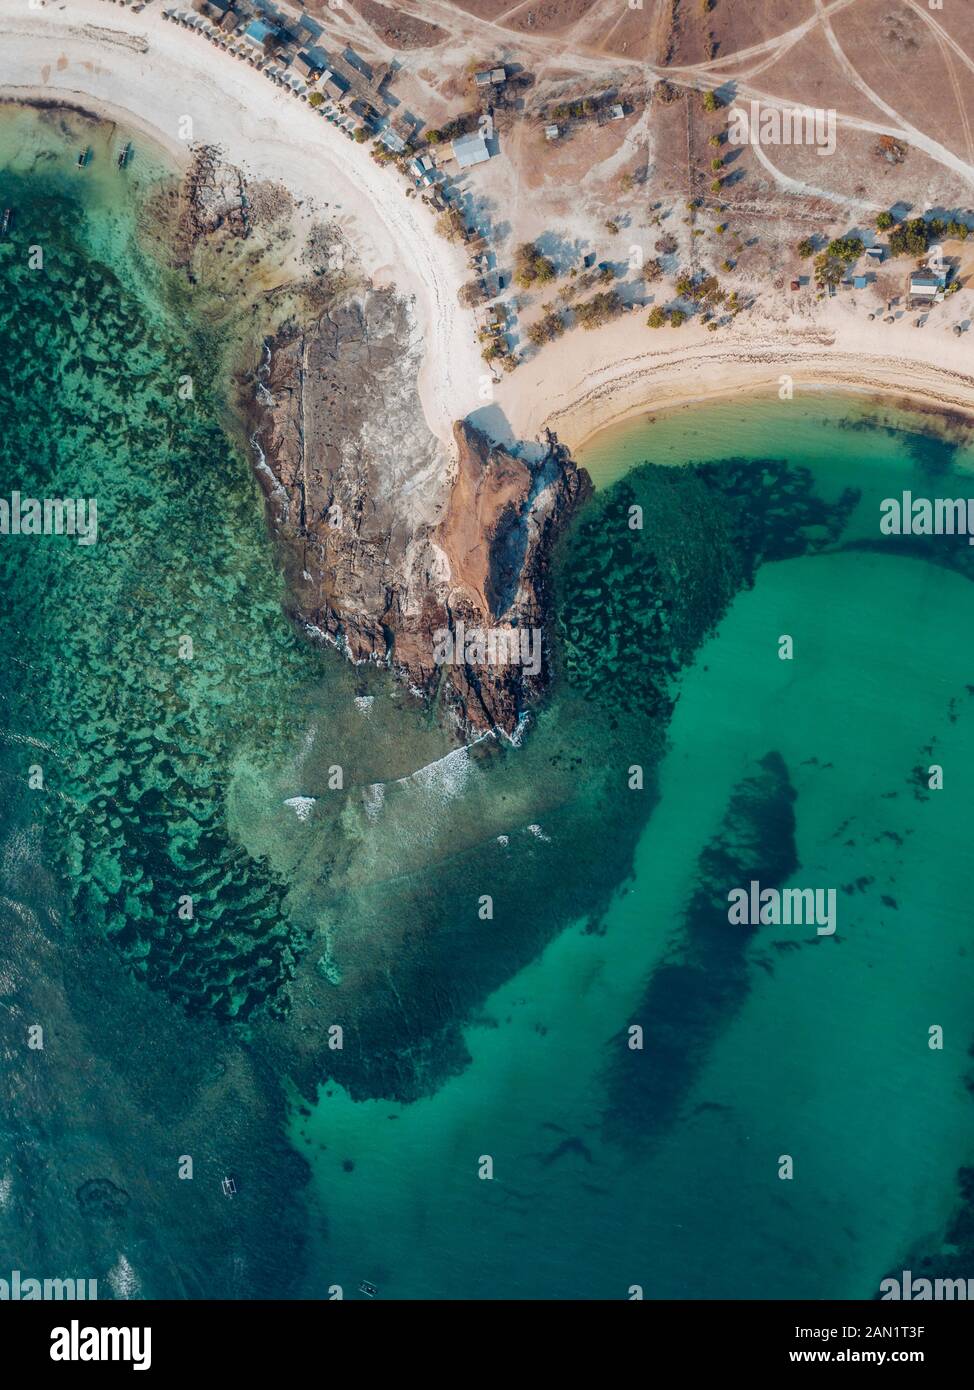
[(470, 149)]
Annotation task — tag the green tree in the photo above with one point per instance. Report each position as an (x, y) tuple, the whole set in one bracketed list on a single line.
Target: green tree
[(599, 309), (531, 267)]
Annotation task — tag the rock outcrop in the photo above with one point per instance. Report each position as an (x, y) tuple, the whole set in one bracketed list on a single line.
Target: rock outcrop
[(394, 550)]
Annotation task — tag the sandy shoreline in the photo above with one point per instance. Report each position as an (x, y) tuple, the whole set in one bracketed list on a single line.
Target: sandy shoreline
[(589, 382), (142, 71)]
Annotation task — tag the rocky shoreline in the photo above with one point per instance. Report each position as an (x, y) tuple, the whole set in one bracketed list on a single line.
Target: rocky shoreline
[(388, 544)]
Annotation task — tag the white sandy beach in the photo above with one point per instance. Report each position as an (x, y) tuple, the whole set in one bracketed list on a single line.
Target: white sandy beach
[(89, 52), (587, 381), (139, 69)]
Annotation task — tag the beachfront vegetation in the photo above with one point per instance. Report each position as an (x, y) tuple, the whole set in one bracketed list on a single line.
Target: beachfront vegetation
[(531, 267), (449, 224), (547, 329), (599, 309), (832, 263)]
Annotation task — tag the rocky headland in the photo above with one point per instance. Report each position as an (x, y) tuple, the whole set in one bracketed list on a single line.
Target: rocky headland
[(389, 540)]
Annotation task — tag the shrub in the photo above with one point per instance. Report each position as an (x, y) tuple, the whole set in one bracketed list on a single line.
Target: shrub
[(657, 317), (551, 326), (531, 267), (806, 248), (677, 317), (599, 309)]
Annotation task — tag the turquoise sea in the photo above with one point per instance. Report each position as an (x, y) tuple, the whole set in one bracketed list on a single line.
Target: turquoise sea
[(486, 1129)]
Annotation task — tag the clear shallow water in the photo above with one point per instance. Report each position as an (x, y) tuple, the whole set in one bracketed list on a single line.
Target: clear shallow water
[(505, 1038), (826, 1059)]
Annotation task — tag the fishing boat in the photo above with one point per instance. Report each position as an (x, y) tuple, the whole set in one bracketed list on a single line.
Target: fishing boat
[(123, 155), (5, 222), (368, 1289), (84, 157)]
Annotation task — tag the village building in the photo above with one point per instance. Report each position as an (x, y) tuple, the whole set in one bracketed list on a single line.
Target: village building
[(403, 125), (229, 22), (927, 286), (470, 149), (332, 87), (551, 132), (305, 67), (212, 10), (261, 35)]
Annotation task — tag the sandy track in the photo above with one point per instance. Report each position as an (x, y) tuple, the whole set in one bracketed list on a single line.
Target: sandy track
[(270, 135)]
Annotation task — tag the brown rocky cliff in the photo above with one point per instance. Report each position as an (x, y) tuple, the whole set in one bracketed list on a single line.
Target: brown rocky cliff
[(387, 543)]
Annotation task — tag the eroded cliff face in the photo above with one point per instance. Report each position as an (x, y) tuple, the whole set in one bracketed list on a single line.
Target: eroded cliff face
[(394, 548)]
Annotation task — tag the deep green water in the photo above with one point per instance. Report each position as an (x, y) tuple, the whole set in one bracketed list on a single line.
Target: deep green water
[(167, 775)]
